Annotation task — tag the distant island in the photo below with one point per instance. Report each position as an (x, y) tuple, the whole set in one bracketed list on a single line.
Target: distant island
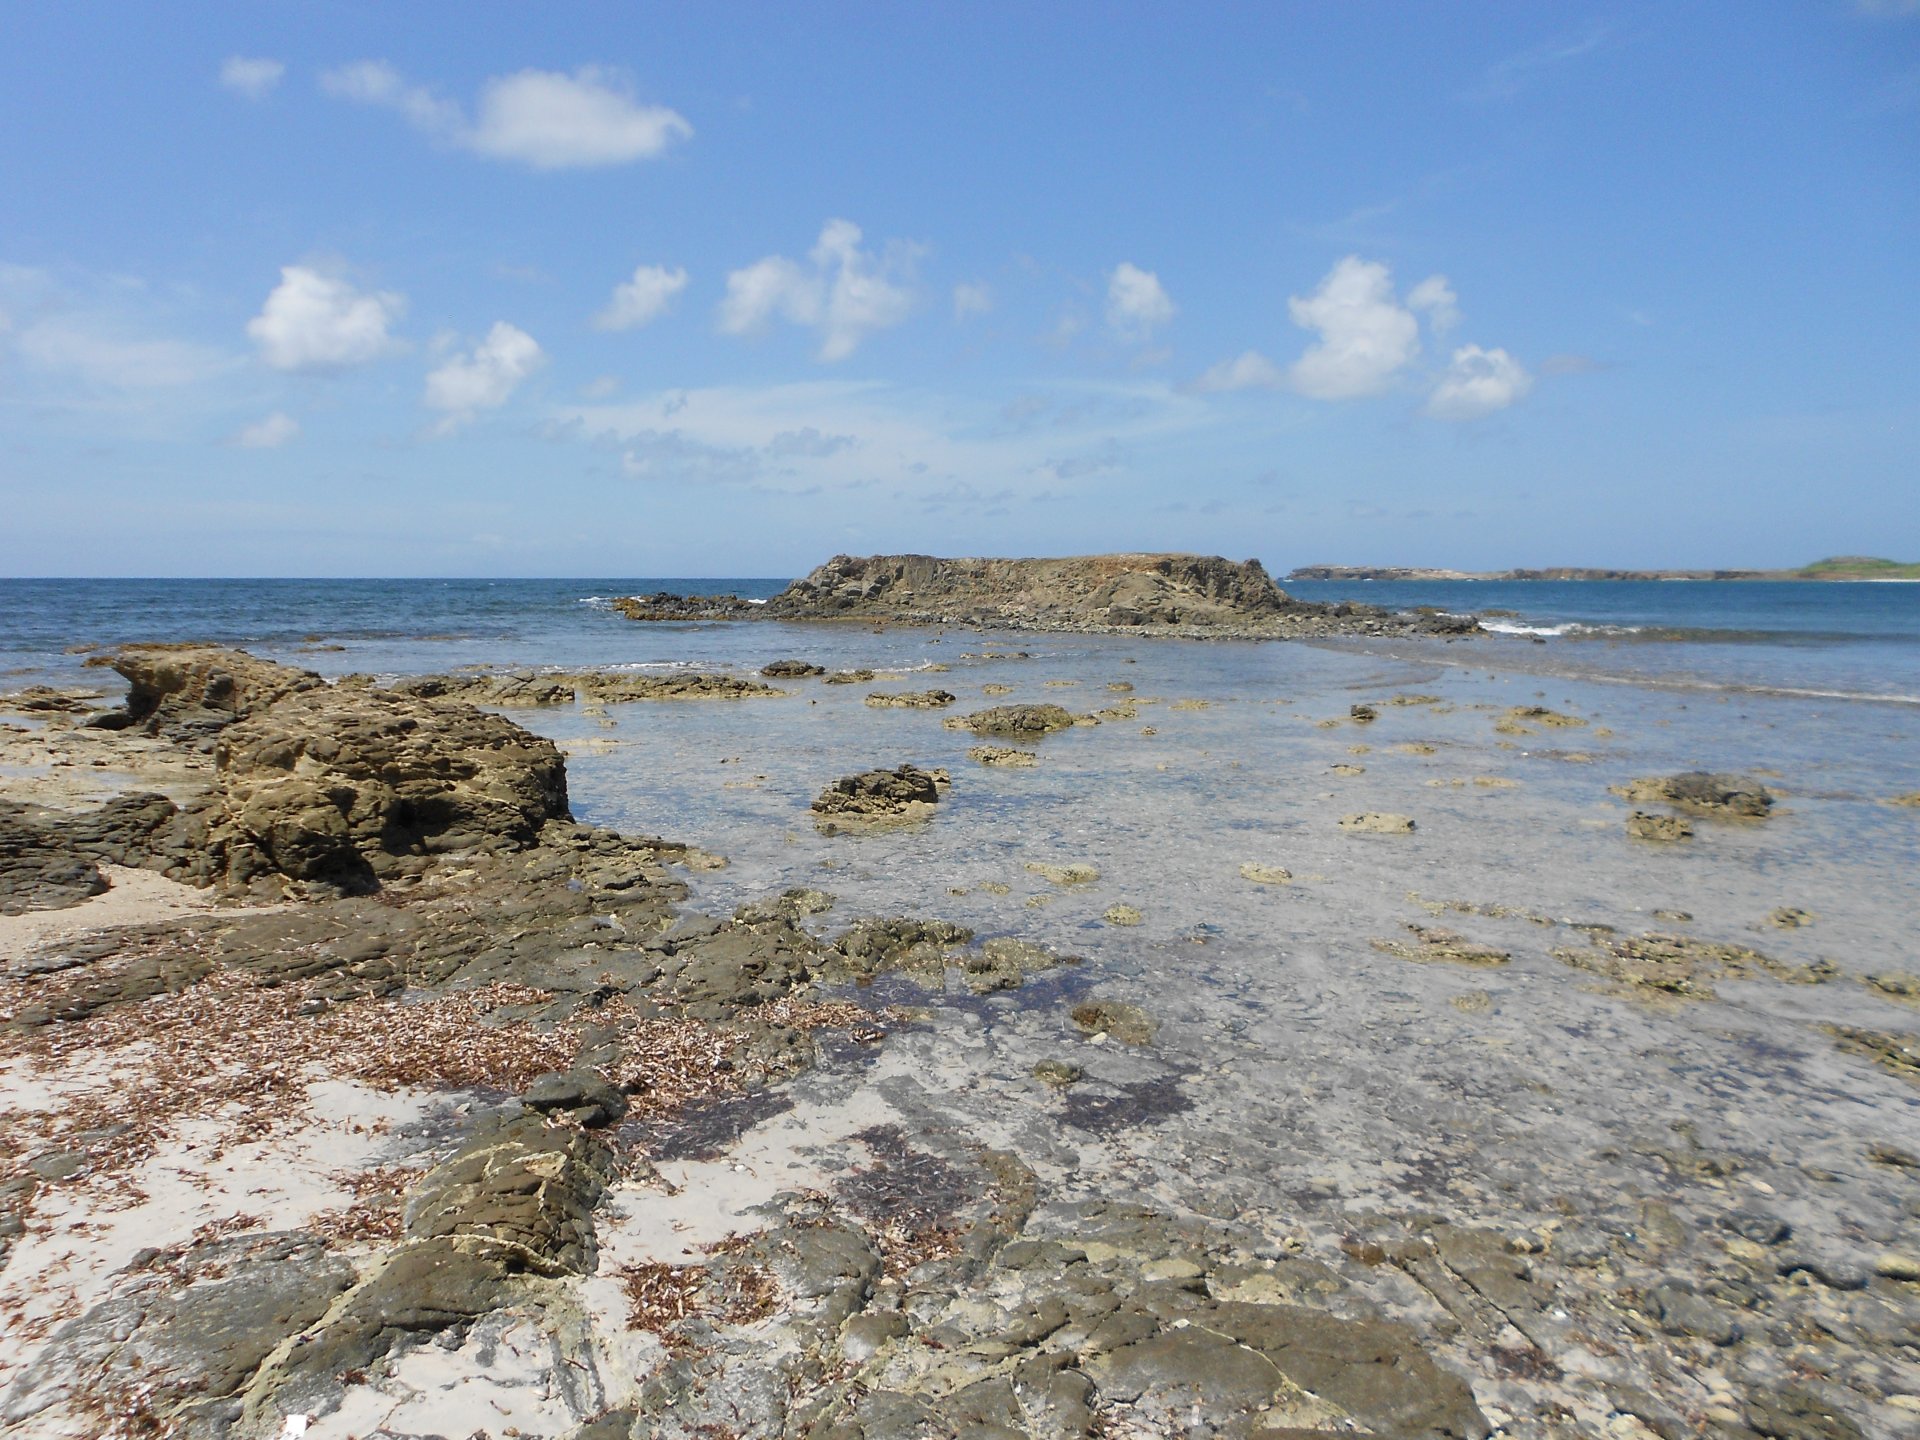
[(1834, 567)]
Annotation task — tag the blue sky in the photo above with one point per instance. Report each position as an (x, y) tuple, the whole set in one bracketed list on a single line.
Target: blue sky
[(620, 289)]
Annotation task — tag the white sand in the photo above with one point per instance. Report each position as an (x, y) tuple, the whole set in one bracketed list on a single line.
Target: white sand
[(137, 897), (78, 1240)]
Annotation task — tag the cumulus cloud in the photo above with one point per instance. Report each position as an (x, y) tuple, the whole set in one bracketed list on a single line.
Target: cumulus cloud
[(268, 434), (641, 300), (318, 322), (251, 76), (973, 297), (1248, 371), (543, 119), (1366, 336), (1136, 302), (486, 377), (1434, 297), (844, 292), (1368, 339), (1477, 383)]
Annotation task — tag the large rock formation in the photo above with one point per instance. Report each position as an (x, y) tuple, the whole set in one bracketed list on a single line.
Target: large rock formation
[(1119, 590), (340, 786)]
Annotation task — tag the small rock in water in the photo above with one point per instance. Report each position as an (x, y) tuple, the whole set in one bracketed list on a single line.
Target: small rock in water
[(1663, 829), (1128, 1024), (1266, 874), (1121, 915), (1378, 823), (1003, 755), (1788, 917), (1058, 1073), (1075, 873)]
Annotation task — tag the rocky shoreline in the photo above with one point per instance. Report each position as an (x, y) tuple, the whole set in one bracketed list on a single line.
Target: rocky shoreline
[(484, 1129)]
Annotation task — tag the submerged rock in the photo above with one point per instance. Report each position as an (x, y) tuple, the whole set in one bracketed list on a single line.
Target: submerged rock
[(1737, 796), (1014, 721), (899, 943), (1126, 1023), (1003, 755), (911, 700), (1266, 874), (1683, 966), (1378, 823), (1661, 828), (1431, 942), (1073, 873)]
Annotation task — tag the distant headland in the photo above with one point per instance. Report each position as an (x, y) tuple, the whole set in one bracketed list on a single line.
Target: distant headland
[(1835, 567)]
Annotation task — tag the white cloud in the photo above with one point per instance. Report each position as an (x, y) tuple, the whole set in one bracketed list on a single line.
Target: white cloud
[(251, 76), (1366, 336), (375, 82), (1136, 302), (1435, 297), (1477, 383), (95, 349), (486, 378), (641, 300), (973, 297), (601, 387), (268, 434), (543, 119), (844, 292), (1249, 371), (318, 322)]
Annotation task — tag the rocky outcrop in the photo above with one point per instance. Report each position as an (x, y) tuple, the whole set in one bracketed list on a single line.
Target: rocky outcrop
[(336, 786), (876, 796), (189, 693), (792, 669), (1194, 595), (340, 787), (664, 605), (1117, 590)]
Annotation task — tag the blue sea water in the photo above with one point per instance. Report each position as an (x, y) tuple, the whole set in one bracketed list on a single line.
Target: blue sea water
[(1820, 640)]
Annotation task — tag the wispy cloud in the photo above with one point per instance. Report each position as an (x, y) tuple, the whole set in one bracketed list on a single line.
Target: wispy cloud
[(1507, 78), (843, 435), (543, 119), (251, 76)]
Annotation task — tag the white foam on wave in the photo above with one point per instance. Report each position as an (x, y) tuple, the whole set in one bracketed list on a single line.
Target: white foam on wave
[(1565, 627)]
